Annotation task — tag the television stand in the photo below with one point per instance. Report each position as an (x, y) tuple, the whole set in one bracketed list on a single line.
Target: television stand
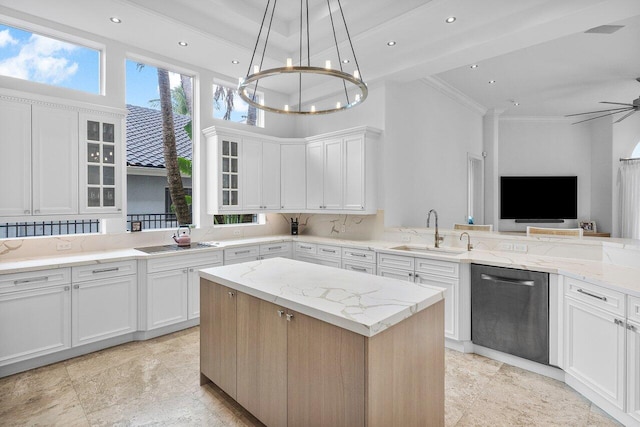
[(540, 221)]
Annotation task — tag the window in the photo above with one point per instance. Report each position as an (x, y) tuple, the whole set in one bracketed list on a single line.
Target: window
[(48, 228), (41, 59), (148, 195), (235, 219), (636, 152), (227, 105)]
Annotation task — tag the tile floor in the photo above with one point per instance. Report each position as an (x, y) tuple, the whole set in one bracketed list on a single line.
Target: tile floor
[(156, 382)]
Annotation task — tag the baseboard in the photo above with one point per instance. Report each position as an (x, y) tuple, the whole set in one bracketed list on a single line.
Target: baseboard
[(538, 368), (461, 346), (154, 333), (600, 401)]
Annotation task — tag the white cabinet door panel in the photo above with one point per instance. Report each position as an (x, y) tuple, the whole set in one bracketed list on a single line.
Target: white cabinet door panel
[(104, 308), (194, 289), (34, 323), (594, 349), (55, 161), (252, 174), (293, 177), (167, 298), (315, 171), (633, 369), (395, 274), (271, 175), (354, 173), (333, 174), (15, 158), (450, 300)]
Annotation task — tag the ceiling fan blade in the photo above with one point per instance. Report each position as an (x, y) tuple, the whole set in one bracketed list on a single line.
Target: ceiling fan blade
[(625, 116), (598, 111), (604, 115), (616, 103)]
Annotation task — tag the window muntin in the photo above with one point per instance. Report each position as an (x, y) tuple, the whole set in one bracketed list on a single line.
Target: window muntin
[(33, 57)]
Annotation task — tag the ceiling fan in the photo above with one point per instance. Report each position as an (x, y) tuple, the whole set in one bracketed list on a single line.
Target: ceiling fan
[(628, 108)]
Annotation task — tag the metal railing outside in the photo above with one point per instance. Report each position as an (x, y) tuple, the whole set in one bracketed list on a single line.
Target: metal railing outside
[(10, 230), (153, 221)]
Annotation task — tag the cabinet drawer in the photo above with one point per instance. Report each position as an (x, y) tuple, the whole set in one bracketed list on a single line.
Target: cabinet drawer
[(396, 261), (282, 249), (359, 255), (321, 261), (34, 279), (394, 273), (306, 248), (329, 251), (633, 309), (251, 252), (361, 267), (103, 271), (594, 295), (174, 261), (440, 268)]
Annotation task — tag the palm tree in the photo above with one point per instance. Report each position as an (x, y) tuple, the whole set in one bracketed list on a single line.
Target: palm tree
[(174, 179)]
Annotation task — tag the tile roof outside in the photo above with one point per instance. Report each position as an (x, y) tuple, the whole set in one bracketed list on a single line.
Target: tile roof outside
[(144, 137)]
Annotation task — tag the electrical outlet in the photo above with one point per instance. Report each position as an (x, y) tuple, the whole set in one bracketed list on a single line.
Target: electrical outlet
[(406, 238), (505, 247), (236, 232), (63, 246), (520, 247)]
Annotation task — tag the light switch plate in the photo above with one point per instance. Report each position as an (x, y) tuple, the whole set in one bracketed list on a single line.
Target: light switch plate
[(505, 247), (236, 232), (519, 247), (406, 238), (63, 246)]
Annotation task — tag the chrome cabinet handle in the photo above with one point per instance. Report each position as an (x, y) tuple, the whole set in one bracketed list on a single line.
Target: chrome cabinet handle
[(289, 317), (410, 274), (280, 313), (27, 212), (359, 255), (76, 286), (231, 294), (34, 279), (37, 211), (273, 248), (66, 288), (105, 270), (632, 327), (186, 270), (618, 322), (191, 270), (331, 251), (305, 247), (582, 291), (358, 268), (242, 252), (506, 280), (417, 275)]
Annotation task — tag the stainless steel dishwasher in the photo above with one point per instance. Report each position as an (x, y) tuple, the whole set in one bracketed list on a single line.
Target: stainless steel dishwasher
[(510, 311)]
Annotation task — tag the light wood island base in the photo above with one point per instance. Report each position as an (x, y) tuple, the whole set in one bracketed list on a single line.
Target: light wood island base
[(290, 369)]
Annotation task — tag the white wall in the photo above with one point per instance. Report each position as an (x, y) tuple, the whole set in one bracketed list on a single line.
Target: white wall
[(546, 147), (427, 137), (601, 174)]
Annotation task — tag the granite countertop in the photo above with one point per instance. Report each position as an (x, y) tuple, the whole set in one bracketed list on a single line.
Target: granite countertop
[(360, 303)]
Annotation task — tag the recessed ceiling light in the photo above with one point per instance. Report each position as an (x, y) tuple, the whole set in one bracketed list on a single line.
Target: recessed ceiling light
[(450, 20), (235, 62), (491, 82), (391, 43), (115, 20), (515, 104), (474, 66), (183, 44), (345, 61)]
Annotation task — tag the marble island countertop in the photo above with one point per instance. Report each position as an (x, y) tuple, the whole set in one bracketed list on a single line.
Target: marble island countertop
[(361, 303)]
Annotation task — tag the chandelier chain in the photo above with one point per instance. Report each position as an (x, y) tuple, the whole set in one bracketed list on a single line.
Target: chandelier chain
[(355, 58), (335, 39)]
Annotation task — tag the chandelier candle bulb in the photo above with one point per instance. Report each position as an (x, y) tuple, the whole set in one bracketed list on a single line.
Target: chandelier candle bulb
[(356, 74), (256, 69), (357, 97), (289, 62), (338, 104), (327, 64), (313, 108), (286, 107)]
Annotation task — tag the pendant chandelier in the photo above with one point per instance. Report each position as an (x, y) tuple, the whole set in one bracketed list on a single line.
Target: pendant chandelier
[(349, 86)]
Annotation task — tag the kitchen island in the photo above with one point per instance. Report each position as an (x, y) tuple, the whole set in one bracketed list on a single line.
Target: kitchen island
[(307, 345)]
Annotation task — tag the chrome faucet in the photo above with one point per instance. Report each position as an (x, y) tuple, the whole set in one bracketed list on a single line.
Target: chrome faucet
[(438, 239), (469, 245)]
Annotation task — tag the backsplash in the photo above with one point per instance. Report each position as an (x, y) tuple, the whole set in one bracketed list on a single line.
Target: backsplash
[(348, 227)]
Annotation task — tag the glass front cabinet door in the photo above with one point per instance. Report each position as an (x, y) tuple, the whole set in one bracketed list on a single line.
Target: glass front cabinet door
[(100, 163), (229, 174)]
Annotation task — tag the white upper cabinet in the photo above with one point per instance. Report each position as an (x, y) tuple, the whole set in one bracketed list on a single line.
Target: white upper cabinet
[(100, 164), (261, 176), (293, 194), (326, 173), (15, 158), (55, 169)]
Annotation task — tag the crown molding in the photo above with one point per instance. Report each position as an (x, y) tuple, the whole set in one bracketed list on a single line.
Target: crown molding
[(453, 93), (540, 119)]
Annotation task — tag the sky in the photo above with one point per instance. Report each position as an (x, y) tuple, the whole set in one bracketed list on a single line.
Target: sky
[(50, 61)]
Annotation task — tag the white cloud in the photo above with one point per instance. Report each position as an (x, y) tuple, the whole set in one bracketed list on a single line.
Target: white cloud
[(41, 59), (6, 39), (174, 80)]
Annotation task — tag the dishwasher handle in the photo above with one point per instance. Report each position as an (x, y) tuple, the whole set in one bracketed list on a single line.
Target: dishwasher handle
[(506, 280)]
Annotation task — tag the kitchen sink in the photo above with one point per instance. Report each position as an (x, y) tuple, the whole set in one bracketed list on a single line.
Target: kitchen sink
[(428, 249)]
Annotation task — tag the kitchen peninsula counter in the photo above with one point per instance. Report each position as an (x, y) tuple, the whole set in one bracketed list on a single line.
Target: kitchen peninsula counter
[(304, 344)]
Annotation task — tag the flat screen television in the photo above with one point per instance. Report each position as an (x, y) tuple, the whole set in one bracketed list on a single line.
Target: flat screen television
[(539, 197)]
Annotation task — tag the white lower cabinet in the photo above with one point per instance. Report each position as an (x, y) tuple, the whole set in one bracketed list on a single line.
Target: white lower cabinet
[(633, 369), (595, 348), (34, 322), (173, 287), (421, 271)]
